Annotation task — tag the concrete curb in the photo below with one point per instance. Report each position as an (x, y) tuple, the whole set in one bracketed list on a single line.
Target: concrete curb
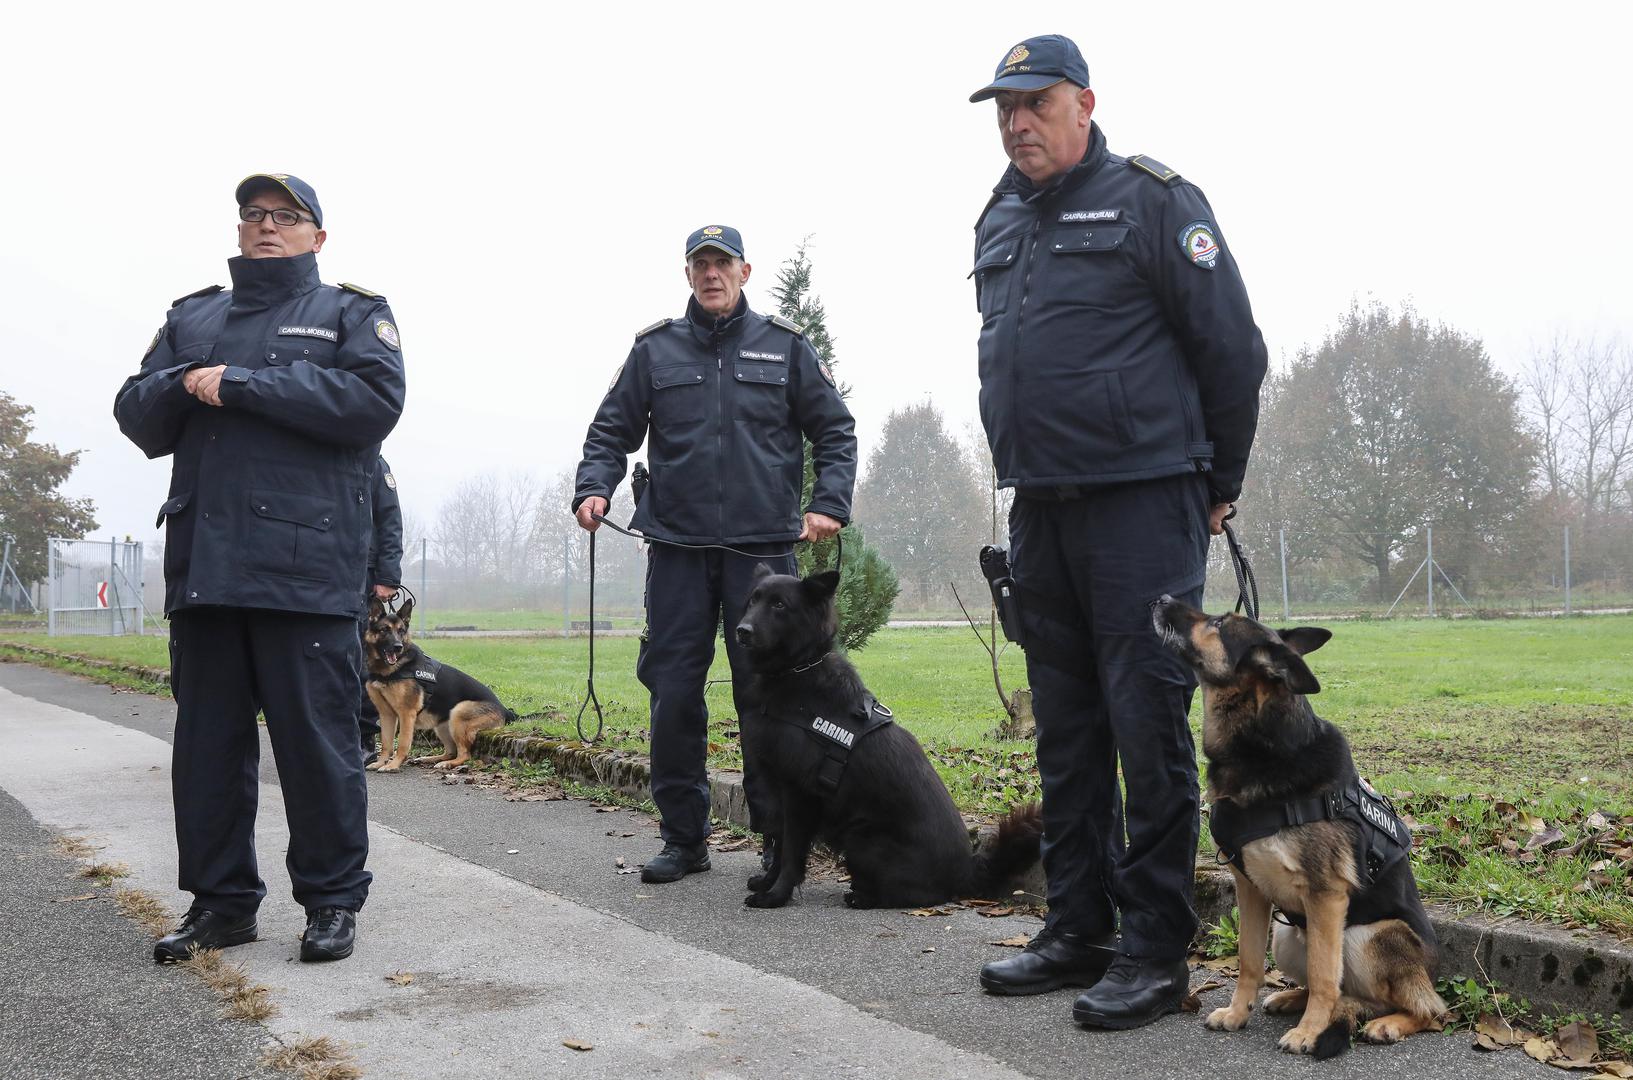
[(1557, 971)]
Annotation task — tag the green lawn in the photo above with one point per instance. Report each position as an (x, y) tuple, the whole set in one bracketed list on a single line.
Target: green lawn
[(1486, 731)]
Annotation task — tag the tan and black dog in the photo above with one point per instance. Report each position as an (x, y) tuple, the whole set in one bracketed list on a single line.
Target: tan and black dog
[(1306, 835), (416, 693)]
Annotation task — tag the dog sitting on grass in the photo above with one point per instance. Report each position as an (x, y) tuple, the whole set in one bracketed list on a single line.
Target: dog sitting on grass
[(1305, 834), (416, 693), (845, 772)]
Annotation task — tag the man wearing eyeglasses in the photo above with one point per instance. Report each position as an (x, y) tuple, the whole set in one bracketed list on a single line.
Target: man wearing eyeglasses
[(271, 399)]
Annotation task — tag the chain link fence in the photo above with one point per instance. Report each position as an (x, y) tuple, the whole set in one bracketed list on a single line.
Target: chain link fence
[(95, 587)]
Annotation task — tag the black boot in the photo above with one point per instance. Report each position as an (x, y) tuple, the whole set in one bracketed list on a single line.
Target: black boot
[(1053, 959), (1134, 992), (674, 862), (203, 929), (331, 932)]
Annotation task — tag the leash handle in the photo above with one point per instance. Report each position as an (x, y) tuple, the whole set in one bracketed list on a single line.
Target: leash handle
[(1247, 586), (590, 697)]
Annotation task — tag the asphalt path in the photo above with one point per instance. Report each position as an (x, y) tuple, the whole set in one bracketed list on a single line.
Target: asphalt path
[(520, 933)]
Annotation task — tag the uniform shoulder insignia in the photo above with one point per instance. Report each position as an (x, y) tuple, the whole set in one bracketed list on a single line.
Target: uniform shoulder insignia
[(209, 291), (1148, 164), (360, 291), (659, 325), (786, 324)]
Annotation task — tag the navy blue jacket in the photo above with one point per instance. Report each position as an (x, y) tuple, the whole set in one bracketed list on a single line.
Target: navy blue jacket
[(726, 404), (269, 492), (386, 538), (1117, 342)]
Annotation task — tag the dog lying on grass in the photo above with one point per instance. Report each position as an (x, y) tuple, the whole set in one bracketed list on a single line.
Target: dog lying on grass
[(1305, 834), (416, 693), (846, 773)]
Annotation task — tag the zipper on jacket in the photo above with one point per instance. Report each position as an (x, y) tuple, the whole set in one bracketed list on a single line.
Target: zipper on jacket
[(1020, 318), (719, 441)]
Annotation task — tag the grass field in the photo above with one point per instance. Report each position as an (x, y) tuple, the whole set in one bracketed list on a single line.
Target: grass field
[(1492, 735)]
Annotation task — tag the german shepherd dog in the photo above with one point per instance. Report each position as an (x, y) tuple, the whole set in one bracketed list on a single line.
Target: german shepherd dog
[(415, 693), (1368, 949), (884, 809)]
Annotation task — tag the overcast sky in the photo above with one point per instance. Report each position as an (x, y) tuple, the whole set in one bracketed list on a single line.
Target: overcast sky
[(520, 185)]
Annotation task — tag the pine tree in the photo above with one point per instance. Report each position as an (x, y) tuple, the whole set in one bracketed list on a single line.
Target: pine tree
[(867, 584)]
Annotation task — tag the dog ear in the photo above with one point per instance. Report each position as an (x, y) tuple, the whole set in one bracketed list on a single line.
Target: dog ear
[(376, 607), (1281, 663), (824, 584), (761, 572), (406, 612), (1305, 639)]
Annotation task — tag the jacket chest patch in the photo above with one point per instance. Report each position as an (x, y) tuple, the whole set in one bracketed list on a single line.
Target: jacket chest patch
[(1090, 215), (757, 354), (321, 332)]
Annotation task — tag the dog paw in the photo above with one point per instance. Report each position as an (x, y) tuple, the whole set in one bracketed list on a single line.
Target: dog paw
[(1386, 1029), (449, 765), (760, 882), (372, 766), (1299, 1041), (390, 766), (1227, 1019), (1283, 1002), (764, 900)]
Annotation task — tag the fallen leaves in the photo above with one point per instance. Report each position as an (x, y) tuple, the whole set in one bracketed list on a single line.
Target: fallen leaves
[(578, 1044), (1019, 941), (400, 978), (75, 899), (1572, 1046)]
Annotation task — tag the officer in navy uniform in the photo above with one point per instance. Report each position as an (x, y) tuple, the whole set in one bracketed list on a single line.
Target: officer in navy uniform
[(272, 399), (726, 468), (1120, 370), (385, 575)]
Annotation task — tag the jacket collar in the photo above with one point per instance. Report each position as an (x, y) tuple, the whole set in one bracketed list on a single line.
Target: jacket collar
[(707, 329), (1015, 182), (259, 283)]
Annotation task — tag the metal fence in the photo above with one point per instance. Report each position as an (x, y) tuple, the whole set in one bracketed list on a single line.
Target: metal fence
[(94, 587)]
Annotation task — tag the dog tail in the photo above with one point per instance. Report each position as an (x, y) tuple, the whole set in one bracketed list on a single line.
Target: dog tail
[(1013, 850), (1341, 1032)]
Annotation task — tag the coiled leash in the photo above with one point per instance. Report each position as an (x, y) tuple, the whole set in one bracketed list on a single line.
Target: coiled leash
[(1247, 586), (590, 697)]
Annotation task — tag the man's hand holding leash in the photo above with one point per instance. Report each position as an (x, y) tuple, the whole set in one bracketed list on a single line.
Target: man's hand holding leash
[(819, 527), (1217, 516), (590, 513)]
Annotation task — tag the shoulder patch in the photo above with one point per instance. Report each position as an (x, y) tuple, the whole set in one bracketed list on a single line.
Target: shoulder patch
[(360, 291), (1148, 164), (154, 344), (645, 330), (786, 324), (208, 291)]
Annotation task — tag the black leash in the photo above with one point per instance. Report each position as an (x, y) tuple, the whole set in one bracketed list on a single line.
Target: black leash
[(1247, 586), (590, 697)]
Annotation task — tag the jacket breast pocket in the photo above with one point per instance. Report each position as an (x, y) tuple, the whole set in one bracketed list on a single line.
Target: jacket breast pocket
[(1090, 267), (679, 394), (993, 276), (760, 392), (283, 351), (292, 534)]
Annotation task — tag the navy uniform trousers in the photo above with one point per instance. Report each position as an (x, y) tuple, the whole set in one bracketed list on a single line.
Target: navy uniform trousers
[(690, 594), (302, 672), (1104, 690)]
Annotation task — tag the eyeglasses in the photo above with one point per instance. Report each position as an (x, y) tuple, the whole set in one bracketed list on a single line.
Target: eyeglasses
[(286, 218)]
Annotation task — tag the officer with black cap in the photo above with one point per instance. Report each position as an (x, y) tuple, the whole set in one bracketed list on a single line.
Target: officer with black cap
[(385, 575), (272, 399), (722, 396), (1120, 370)]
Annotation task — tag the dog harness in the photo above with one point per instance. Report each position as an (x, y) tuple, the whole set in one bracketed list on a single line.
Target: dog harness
[(838, 736), (423, 671), (1381, 841)]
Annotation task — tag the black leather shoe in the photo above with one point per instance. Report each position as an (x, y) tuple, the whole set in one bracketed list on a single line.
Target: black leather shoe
[(1053, 959), (203, 929), (1133, 993), (330, 934), (674, 862), (370, 757)]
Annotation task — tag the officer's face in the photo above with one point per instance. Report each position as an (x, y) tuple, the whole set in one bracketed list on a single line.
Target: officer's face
[(265, 239), (717, 280), (1045, 131)]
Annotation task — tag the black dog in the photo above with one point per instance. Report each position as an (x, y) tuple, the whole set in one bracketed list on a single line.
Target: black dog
[(846, 773)]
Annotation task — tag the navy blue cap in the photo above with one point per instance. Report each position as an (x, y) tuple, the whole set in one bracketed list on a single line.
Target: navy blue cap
[(1036, 63), (724, 237), (293, 186)]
